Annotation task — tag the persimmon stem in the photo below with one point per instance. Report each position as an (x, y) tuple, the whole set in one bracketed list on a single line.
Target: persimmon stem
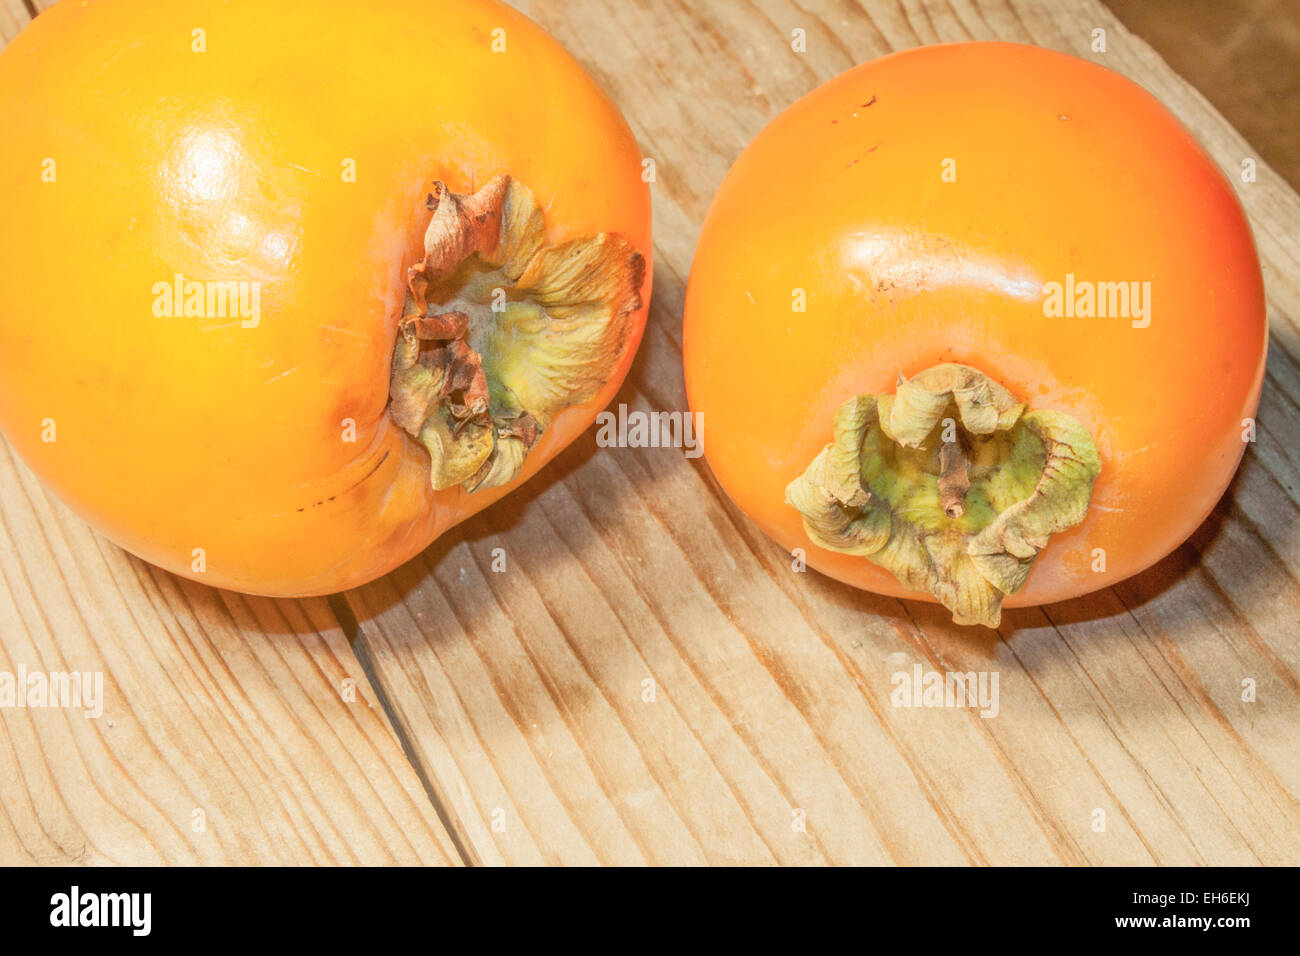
[(501, 331), (954, 479), (1008, 480)]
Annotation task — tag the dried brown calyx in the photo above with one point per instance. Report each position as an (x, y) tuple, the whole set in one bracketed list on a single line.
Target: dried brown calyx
[(949, 484), (501, 332)]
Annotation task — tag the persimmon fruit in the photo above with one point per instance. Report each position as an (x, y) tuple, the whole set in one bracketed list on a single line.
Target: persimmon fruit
[(979, 323), (287, 290)]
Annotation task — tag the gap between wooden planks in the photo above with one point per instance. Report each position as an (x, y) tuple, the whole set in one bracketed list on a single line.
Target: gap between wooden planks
[(522, 695)]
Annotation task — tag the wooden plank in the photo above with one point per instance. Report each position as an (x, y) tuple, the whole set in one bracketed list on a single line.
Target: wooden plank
[(523, 694), (233, 730), (13, 17)]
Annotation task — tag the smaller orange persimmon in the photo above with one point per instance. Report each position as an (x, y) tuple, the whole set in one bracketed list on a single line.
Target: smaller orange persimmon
[(980, 322)]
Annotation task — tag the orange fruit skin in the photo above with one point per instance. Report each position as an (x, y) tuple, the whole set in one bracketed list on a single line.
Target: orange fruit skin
[(1061, 167), (178, 434)]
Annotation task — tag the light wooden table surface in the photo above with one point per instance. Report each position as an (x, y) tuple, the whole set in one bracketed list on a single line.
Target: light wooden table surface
[(450, 713)]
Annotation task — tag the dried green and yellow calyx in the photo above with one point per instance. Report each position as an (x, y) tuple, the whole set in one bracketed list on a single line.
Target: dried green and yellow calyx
[(501, 332), (950, 485)]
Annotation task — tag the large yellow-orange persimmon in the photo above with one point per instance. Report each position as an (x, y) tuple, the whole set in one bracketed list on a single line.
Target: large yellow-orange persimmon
[(287, 289), (976, 321)]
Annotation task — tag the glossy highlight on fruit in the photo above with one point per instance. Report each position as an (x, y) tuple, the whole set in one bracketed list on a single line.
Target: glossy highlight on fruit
[(978, 323), (290, 289)]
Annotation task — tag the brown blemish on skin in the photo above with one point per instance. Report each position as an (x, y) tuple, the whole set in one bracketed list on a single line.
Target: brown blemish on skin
[(360, 481), (863, 156), (861, 106)]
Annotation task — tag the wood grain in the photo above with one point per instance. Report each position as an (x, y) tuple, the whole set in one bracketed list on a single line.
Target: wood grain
[(234, 730), (522, 693), (252, 713), (647, 680)]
